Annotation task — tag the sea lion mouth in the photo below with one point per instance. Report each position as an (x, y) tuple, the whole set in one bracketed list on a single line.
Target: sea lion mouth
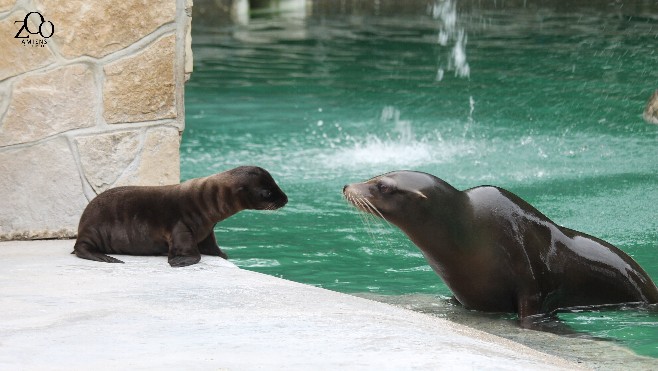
[(272, 207), (275, 205), (361, 202)]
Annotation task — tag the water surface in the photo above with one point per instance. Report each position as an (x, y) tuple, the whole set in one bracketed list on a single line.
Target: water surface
[(548, 107)]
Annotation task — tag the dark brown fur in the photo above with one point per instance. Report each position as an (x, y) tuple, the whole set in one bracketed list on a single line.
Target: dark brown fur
[(497, 253), (177, 220)]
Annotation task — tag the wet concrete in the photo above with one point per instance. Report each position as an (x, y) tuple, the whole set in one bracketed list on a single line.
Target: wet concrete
[(580, 348), (61, 312)]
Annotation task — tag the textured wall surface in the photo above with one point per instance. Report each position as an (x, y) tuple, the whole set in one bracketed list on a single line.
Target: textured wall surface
[(96, 105)]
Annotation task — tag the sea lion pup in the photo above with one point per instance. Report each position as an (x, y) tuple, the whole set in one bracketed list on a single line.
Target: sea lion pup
[(497, 253), (177, 220)]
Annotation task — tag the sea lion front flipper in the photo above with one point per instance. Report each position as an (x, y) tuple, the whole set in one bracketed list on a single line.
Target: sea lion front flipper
[(209, 246), (183, 250), (183, 261), (85, 251), (551, 323)]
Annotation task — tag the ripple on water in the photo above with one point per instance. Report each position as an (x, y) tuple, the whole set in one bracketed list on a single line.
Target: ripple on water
[(551, 111), (256, 263)]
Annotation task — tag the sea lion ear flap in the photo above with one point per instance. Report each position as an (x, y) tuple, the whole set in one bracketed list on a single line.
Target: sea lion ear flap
[(419, 193)]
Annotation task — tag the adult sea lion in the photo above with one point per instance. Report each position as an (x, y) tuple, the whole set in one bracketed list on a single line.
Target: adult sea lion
[(497, 253), (177, 220)]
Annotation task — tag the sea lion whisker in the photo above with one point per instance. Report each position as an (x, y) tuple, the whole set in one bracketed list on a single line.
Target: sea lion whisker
[(357, 203), (348, 199), (370, 215), (366, 208), (371, 209), (377, 211), (362, 206), (370, 212), (367, 222), (365, 216)]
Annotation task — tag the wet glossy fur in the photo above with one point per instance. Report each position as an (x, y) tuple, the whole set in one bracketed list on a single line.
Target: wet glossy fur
[(497, 253), (176, 220)]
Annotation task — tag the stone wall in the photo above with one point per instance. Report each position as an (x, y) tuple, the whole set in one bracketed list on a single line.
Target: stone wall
[(97, 105)]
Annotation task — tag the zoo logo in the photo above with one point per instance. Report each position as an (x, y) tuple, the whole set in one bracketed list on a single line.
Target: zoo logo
[(40, 31)]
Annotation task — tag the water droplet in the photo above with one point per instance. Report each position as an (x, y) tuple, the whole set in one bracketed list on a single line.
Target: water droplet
[(439, 74)]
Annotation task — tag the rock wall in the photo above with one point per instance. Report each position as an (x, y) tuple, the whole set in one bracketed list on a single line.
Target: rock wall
[(96, 105)]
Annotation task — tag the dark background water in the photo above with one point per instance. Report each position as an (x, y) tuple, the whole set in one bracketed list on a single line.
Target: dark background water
[(542, 98)]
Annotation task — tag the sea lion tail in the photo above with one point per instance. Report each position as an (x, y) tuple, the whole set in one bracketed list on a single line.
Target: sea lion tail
[(84, 251)]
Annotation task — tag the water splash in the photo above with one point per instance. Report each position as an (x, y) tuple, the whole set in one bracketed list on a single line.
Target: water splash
[(446, 12), (398, 146), (469, 121), (402, 127)]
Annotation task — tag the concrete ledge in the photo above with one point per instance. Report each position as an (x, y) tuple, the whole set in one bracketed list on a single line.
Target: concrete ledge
[(61, 312)]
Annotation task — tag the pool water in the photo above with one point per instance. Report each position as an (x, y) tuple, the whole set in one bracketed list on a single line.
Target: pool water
[(546, 104)]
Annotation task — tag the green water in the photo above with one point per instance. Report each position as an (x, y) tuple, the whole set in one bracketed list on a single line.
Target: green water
[(551, 111)]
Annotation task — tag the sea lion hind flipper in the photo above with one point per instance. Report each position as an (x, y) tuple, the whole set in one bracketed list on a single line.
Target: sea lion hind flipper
[(81, 250), (183, 261)]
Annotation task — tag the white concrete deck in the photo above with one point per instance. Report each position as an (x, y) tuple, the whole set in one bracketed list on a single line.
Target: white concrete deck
[(58, 312)]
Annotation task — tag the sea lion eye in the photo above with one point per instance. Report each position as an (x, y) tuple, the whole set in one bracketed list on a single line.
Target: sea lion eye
[(265, 194), (383, 188)]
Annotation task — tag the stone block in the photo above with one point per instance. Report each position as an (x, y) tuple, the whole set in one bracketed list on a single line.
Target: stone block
[(142, 87), (6, 5), (159, 163), (42, 195), (98, 28), (16, 57), (104, 157), (651, 111), (44, 104), (4, 103), (189, 59)]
